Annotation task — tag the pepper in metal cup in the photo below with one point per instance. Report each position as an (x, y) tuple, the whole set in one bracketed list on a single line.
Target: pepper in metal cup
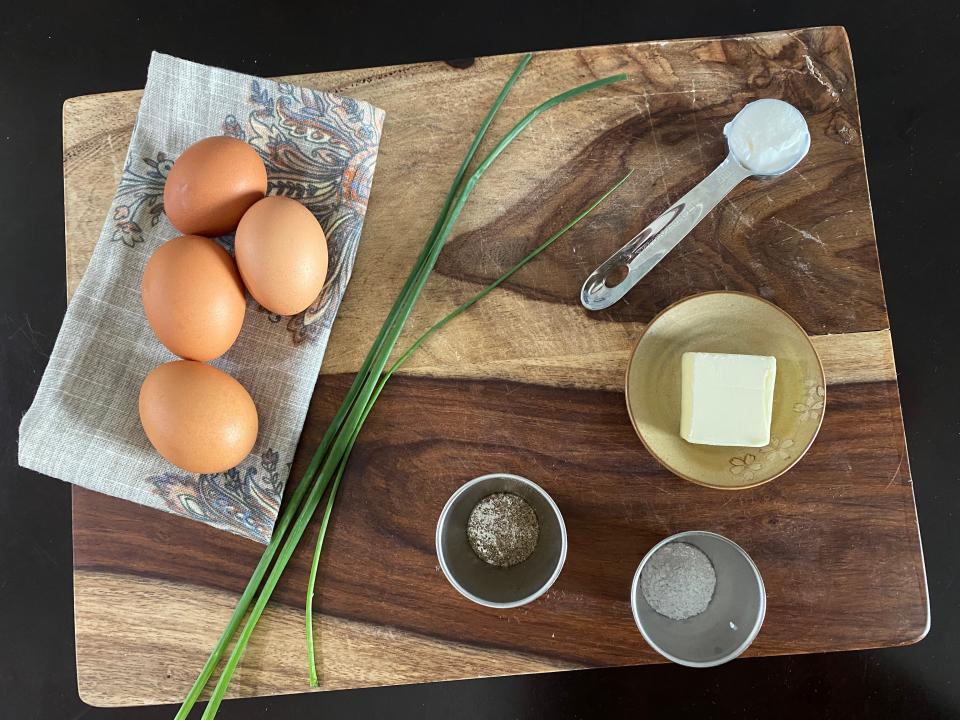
[(491, 585)]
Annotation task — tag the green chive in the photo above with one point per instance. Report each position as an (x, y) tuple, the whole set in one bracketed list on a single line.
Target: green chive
[(451, 193)]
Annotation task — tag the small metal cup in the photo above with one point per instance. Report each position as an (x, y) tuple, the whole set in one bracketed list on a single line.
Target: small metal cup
[(728, 625), (486, 584)]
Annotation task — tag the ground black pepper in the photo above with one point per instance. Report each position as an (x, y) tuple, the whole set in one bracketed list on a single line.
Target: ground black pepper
[(503, 529)]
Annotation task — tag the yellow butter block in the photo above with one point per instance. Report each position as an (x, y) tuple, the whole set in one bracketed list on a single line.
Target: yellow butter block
[(727, 399)]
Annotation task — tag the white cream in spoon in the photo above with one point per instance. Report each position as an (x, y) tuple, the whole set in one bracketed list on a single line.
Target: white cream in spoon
[(768, 136)]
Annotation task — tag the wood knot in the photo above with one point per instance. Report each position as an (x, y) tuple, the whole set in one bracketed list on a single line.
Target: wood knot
[(843, 130)]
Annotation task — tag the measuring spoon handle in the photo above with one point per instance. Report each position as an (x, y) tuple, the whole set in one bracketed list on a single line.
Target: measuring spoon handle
[(651, 245)]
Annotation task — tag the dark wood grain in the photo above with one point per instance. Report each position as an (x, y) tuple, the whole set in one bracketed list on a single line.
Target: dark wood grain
[(836, 521), (804, 240)]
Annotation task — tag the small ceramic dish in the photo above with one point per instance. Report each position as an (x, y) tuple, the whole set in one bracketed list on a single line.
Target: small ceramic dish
[(725, 322)]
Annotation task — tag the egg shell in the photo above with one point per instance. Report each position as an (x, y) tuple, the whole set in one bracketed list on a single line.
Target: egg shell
[(193, 297), (212, 184), (282, 255), (197, 417)]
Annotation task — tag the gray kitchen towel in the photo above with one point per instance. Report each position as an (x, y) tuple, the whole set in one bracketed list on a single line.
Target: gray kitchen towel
[(83, 425)]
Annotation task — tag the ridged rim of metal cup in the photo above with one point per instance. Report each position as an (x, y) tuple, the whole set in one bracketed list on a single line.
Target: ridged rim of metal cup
[(443, 563), (635, 589)]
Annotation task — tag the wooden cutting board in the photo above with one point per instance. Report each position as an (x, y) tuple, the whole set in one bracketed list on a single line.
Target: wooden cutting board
[(528, 382)]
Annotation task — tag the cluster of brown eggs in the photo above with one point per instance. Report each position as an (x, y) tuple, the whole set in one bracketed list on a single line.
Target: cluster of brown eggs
[(194, 296)]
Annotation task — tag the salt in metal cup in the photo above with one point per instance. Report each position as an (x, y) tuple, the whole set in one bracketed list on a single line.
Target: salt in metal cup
[(732, 619)]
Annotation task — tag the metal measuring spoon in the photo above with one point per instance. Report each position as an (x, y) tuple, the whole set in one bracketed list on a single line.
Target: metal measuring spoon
[(754, 148)]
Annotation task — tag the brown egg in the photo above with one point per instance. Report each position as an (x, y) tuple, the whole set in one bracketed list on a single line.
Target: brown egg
[(282, 255), (197, 417), (193, 297), (212, 184)]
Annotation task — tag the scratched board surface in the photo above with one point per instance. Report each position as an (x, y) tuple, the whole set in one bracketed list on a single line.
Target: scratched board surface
[(529, 382)]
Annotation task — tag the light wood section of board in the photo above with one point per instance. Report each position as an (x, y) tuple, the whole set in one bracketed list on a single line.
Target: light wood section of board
[(848, 358), (350, 654)]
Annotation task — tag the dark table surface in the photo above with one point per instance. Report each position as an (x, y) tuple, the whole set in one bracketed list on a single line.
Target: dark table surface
[(908, 73)]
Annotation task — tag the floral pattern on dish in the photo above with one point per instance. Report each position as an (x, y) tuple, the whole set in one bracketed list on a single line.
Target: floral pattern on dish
[(778, 449), (812, 405), (746, 466)]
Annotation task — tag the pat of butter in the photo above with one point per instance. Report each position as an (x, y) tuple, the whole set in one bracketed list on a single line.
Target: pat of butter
[(727, 399)]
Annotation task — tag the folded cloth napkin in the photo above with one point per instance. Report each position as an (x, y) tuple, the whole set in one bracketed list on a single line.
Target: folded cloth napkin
[(83, 425)]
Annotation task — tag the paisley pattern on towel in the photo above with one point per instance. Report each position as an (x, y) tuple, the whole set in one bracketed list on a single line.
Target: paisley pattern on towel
[(244, 500)]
